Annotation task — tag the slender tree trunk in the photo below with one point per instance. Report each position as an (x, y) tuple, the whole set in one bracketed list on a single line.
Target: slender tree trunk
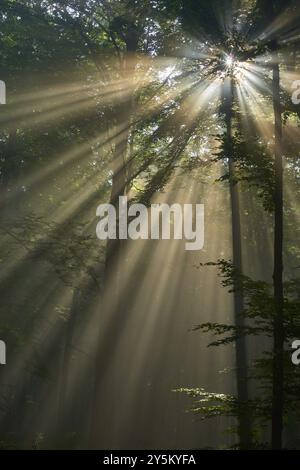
[(114, 249), (244, 421), (119, 181), (278, 352), (119, 163)]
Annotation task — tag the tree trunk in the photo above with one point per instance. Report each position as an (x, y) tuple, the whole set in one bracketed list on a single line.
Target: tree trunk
[(278, 368), (244, 421), (119, 167), (114, 248)]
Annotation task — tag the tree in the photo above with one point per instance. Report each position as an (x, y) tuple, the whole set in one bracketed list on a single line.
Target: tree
[(271, 11), (200, 20)]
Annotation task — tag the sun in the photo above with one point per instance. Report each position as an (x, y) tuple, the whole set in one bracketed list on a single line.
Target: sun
[(229, 61), (233, 67)]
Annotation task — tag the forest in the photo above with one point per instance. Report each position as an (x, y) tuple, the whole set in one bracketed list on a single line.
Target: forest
[(184, 332)]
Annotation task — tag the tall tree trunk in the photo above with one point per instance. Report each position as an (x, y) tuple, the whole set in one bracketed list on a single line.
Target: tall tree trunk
[(119, 182), (119, 164), (278, 352), (244, 421), (114, 249)]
